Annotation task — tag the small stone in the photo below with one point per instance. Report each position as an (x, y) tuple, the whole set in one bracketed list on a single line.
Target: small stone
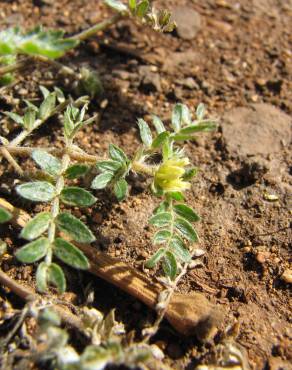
[(262, 257), (150, 81), (188, 22), (287, 276)]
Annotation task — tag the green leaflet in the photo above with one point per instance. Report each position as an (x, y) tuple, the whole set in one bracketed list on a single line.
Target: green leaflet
[(33, 251), (76, 196), (69, 254), (37, 226), (76, 229), (38, 191)]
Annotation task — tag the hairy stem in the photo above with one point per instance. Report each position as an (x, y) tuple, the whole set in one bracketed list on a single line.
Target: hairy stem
[(55, 207)]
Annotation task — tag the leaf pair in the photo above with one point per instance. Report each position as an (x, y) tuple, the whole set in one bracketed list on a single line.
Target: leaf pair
[(113, 172)]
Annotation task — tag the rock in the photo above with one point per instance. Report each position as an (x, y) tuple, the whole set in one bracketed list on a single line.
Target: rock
[(150, 81), (174, 60), (287, 276), (188, 22), (259, 129), (189, 83)]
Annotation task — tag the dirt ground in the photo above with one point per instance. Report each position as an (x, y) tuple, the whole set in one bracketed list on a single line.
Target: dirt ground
[(237, 62)]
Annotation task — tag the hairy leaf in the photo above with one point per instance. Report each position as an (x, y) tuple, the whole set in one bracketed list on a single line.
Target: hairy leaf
[(38, 191), (102, 180), (186, 229), (160, 139), (55, 276), (145, 133), (180, 116), (117, 154), (33, 251), (161, 236), (186, 212), (29, 119), (160, 219), (76, 170), (41, 277), (76, 229), (37, 226), (15, 117), (71, 255), (179, 249), (76, 196), (47, 162), (155, 258), (121, 189), (200, 127), (109, 166), (47, 106), (158, 124), (169, 265)]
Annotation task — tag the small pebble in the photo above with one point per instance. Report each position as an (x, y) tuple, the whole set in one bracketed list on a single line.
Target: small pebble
[(287, 276)]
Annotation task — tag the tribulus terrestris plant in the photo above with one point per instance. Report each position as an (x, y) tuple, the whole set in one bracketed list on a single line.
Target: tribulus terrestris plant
[(170, 179)]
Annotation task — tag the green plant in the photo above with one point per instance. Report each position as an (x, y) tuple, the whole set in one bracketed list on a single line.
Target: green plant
[(46, 223), (171, 178)]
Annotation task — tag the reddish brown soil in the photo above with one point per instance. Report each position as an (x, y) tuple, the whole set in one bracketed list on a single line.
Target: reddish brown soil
[(240, 57)]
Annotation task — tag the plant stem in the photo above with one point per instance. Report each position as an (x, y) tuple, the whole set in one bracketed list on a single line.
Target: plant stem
[(143, 168), (55, 207), (97, 28), (24, 151)]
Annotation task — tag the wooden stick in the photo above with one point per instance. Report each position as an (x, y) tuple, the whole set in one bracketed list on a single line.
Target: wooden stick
[(189, 314)]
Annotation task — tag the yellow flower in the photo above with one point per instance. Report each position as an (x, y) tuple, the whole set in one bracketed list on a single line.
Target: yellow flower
[(169, 175)]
